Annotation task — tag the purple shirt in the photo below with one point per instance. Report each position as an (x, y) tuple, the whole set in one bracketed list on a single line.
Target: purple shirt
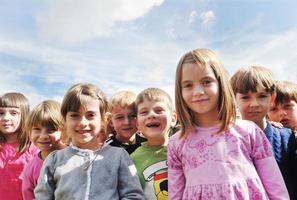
[(236, 164)]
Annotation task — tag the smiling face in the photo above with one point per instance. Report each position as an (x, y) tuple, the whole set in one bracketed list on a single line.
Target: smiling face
[(10, 118), (254, 106), (200, 92), (46, 139), (154, 120), (123, 120), (84, 125)]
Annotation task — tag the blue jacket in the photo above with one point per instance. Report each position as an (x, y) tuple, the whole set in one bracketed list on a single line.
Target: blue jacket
[(279, 139)]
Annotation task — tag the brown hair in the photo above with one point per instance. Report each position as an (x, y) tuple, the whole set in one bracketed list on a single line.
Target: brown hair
[(226, 110), (72, 100), (19, 101), (285, 91), (249, 78)]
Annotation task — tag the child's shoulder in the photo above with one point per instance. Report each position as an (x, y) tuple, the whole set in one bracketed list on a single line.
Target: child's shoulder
[(245, 125)]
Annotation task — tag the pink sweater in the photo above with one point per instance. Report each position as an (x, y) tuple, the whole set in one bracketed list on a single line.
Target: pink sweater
[(237, 164), (11, 167), (30, 176)]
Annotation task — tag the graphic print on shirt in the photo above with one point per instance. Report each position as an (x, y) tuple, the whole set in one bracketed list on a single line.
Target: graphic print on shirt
[(156, 180)]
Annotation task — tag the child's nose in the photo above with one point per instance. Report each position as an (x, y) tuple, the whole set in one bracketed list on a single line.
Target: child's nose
[(152, 114), (198, 89), (83, 121), (254, 102)]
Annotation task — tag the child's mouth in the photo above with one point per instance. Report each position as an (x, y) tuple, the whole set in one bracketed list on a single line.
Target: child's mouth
[(153, 125)]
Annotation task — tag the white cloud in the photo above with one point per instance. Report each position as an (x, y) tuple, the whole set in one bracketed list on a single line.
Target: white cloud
[(193, 16), (207, 17), (78, 20), (277, 52)]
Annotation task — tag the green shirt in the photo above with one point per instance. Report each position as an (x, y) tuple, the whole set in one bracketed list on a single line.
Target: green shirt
[(151, 164)]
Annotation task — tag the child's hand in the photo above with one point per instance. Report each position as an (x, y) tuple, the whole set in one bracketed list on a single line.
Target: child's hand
[(277, 124)]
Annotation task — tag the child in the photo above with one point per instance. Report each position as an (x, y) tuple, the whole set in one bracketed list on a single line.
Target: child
[(155, 116), (44, 127), (123, 120), (284, 107), (285, 111), (87, 169), (15, 148), (215, 155), (254, 89)]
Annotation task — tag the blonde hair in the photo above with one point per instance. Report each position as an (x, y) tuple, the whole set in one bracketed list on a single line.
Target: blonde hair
[(19, 101), (46, 114), (285, 91), (155, 94), (226, 111), (249, 78), (122, 99), (72, 100)]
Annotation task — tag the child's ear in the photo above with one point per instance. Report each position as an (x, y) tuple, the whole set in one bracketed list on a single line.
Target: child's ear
[(173, 119), (273, 96), (108, 119)]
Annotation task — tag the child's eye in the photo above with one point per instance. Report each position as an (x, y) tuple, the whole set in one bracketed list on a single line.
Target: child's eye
[(159, 110), (119, 117), (288, 106), (262, 96), (74, 115), (187, 85), (244, 97), (206, 82), (14, 113), (36, 129), (91, 115), (144, 112)]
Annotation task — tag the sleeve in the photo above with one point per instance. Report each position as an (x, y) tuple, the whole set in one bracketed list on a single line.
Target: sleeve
[(27, 183), (267, 167), (128, 182), (176, 178), (46, 184)]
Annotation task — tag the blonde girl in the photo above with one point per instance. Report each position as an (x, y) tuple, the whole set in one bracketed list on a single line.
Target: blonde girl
[(215, 156), (100, 172), (44, 125), (15, 148)]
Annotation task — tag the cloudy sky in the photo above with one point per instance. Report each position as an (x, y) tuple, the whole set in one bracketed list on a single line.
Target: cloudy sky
[(47, 46)]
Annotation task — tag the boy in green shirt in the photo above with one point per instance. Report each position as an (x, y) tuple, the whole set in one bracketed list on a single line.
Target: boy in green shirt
[(155, 117)]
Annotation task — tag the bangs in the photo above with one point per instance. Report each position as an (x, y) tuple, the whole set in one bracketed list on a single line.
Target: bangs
[(246, 81), (10, 102)]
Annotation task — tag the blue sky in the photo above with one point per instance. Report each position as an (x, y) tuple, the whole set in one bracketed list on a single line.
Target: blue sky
[(47, 46)]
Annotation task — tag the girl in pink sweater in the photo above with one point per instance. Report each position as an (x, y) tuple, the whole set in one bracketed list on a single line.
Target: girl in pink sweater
[(215, 156), (15, 148), (44, 128)]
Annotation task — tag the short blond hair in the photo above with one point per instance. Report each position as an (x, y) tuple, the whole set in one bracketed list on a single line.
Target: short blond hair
[(249, 78), (155, 94), (122, 99)]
